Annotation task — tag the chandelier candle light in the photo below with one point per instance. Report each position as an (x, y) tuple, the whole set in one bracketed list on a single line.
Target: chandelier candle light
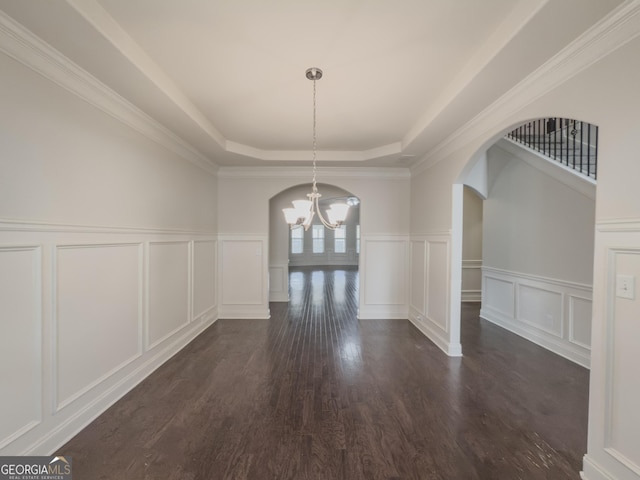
[(303, 211)]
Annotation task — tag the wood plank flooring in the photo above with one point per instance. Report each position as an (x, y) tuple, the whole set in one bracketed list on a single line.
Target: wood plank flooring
[(313, 393)]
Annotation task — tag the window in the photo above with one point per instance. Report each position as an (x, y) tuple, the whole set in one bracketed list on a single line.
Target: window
[(297, 240), (358, 239), (340, 245), (318, 239)]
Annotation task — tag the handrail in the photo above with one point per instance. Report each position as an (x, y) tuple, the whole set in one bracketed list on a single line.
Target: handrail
[(572, 143)]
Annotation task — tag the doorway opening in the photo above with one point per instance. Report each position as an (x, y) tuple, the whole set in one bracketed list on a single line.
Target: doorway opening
[(535, 231), (318, 250)]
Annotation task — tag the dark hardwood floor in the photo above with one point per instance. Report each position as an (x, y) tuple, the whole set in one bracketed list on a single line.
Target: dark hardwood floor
[(314, 393)]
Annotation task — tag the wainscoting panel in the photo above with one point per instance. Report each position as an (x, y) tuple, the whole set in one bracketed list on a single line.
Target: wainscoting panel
[(74, 302), (430, 288), (20, 341), (384, 281), (540, 308), (623, 334), (244, 277), (471, 280), (98, 316), (580, 326), (614, 390), (418, 297), (168, 303), (204, 277), (499, 295), (278, 283), (438, 283), (553, 313)]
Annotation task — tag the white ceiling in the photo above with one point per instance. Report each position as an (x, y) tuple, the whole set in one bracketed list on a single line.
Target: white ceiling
[(228, 75)]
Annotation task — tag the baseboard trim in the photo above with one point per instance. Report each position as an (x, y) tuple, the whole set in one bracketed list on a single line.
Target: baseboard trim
[(243, 312), (536, 337), (593, 471), (452, 350)]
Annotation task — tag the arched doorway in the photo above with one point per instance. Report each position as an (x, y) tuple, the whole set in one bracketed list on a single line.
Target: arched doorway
[(537, 236), (317, 247)]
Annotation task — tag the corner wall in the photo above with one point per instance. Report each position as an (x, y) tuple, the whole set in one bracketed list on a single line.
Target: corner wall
[(596, 80)]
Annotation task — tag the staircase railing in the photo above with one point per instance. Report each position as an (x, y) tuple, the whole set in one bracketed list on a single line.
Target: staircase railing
[(570, 142)]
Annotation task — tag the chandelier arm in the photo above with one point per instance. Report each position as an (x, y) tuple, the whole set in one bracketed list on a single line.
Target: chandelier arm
[(327, 224)]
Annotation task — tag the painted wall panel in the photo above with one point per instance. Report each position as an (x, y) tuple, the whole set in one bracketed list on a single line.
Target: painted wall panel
[(278, 283), (98, 320), (20, 341), (580, 312), (540, 308), (418, 276), (385, 282), (499, 295), (552, 313), (168, 289), (624, 334), (242, 272), (204, 276)]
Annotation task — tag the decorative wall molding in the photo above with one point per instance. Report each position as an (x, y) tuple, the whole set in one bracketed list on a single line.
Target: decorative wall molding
[(118, 258), (384, 279), (25, 47), (278, 282), (24, 225), (621, 318), (243, 276), (615, 30), (555, 314), (183, 317), (430, 274), (86, 250), (303, 172), (614, 393), (21, 314), (628, 225), (471, 280)]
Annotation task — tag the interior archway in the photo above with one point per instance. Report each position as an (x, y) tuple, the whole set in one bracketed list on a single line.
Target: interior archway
[(280, 252), (538, 250)]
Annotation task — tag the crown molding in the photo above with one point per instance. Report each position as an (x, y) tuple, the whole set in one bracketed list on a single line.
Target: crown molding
[(305, 172), (23, 46), (323, 155), (612, 32)]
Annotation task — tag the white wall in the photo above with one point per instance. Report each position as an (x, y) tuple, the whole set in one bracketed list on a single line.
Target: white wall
[(603, 92), (384, 220), (108, 253), (535, 224)]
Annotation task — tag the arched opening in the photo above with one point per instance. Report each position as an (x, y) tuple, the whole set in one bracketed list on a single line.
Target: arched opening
[(537, 230), (318, 248), (535, 223)]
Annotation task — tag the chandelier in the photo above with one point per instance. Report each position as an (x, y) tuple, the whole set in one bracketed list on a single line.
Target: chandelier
[(303, 211)]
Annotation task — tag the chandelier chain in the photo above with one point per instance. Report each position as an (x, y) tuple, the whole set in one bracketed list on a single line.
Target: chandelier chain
[(314, 134), (305, 210)]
